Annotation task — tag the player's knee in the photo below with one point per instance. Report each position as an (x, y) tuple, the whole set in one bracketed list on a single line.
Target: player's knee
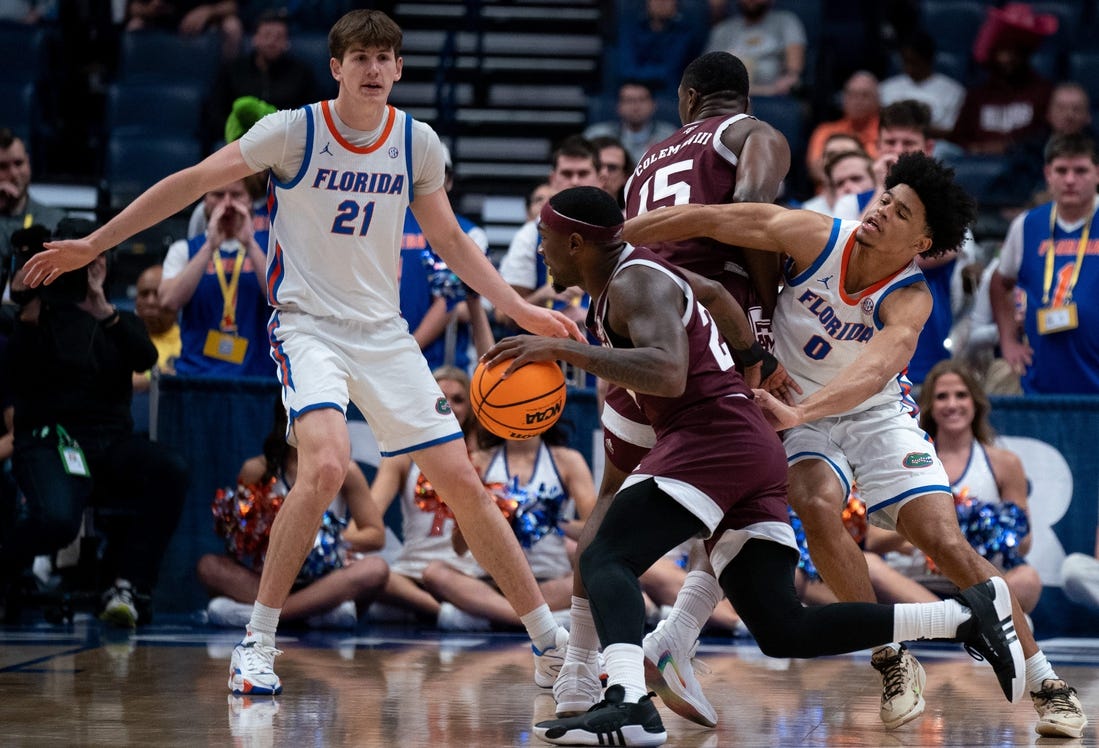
[(776, 636), (944, 545), (330, 471), (596, 557), (814, 506)]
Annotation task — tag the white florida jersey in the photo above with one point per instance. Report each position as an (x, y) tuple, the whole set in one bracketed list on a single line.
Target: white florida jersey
[(336, 225), (820, 329)]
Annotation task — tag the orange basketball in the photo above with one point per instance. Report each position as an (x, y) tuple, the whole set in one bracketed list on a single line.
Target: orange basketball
[(525, 404)]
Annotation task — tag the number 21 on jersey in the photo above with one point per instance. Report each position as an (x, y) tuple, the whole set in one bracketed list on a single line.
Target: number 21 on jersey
[(347, 221)]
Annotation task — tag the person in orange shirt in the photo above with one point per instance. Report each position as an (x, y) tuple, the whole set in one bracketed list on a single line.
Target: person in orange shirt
[(860, 117)]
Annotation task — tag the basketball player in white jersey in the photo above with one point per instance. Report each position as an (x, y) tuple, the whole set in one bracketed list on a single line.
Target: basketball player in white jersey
[(342, 174), (846, 324)]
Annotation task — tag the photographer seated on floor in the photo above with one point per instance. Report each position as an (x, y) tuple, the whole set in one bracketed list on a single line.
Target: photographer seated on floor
[(70, 362)]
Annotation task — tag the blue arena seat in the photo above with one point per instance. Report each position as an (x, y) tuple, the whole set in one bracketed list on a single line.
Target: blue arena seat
[(154, 108), (976, 173), (136, 162), (165, 57), (20, 108), (311, 47), (1070, 25), (1083, 68), (26, 53), (786, 115), (953, 23)]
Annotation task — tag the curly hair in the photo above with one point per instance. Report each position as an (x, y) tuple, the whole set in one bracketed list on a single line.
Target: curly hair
[(949, 209)]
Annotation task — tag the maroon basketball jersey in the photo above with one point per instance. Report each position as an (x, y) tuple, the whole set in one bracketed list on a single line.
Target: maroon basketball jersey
[(691, 166), (710, 364)]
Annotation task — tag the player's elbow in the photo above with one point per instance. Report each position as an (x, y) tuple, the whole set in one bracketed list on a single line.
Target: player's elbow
[(673, 383)]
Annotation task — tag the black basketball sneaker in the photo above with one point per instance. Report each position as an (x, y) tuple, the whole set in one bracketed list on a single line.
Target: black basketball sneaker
[(990, 634), (610, 722)]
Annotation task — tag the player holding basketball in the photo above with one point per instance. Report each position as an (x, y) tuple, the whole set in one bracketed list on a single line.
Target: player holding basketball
[(344, 172), (846, 324), (720, 155), (662, 345)]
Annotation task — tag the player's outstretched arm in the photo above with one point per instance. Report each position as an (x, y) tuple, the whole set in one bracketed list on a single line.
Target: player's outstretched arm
[(165, 198), (802, 234)]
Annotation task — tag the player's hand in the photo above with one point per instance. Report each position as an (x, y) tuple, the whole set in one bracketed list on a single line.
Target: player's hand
[(753, 374), (60, 257), (522, 349), (779, 382), (542, 321), (780, 415)]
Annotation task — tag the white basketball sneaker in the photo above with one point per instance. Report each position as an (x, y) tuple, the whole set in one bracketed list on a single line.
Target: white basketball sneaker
[(252, 666), (577, 689), (669, 670), (903, 680), (547, 664)]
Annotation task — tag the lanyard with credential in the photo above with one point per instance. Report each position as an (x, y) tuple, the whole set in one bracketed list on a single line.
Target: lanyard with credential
[(229, 289), (1081, 250)]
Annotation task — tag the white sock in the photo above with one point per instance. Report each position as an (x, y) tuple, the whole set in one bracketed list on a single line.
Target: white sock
[(626, 668), (541, 627), (694, 604), (1038, 669), (583, 638), (264, 620), (928, 620)]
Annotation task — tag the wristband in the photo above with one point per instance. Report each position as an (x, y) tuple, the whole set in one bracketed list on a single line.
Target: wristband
[(770, 364), (111, 321), (751, 356)]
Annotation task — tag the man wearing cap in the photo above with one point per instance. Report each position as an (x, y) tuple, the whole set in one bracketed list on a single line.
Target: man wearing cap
[(1011, 103)]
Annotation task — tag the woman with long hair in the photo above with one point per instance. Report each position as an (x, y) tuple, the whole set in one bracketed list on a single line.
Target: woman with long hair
[(954, 412)]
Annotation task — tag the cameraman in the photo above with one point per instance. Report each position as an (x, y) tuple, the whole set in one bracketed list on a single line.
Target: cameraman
[(18, 210), (72, 356)]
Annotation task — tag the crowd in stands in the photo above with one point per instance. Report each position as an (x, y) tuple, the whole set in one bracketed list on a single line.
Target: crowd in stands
[(1007, 104)]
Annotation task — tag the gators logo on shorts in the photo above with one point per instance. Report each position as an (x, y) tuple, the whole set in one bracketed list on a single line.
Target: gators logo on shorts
[(442, 407), (918, 460)]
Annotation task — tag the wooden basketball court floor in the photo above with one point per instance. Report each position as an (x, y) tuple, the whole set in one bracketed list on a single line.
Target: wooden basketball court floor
[(165, 685)]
